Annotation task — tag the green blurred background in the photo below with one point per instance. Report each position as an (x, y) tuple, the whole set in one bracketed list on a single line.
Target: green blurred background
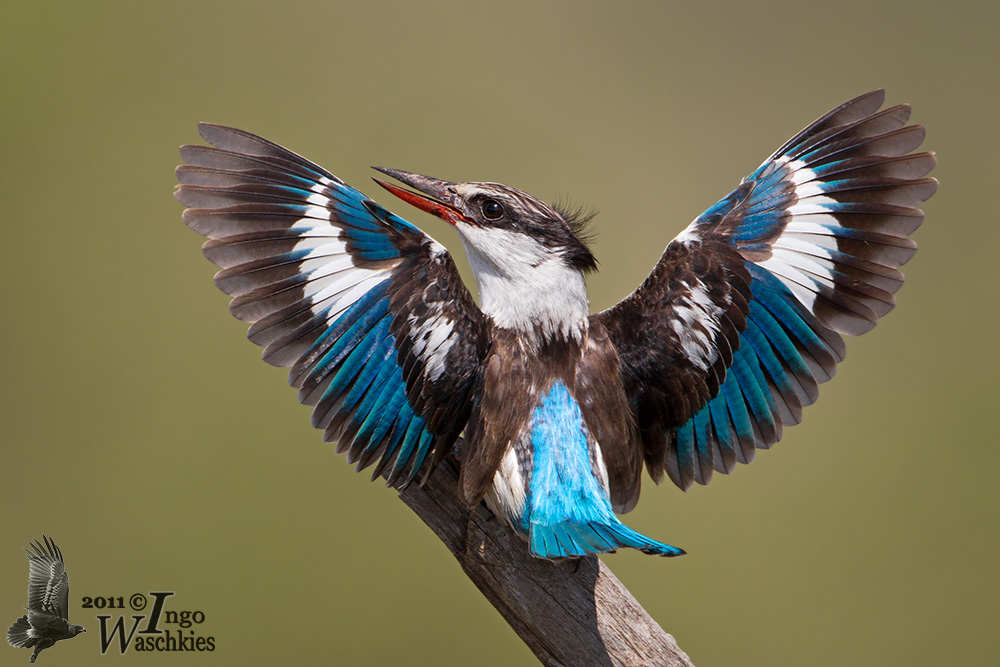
[(140, 429)]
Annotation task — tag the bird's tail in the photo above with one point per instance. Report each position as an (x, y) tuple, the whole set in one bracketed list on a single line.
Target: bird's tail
[(570, 540), (19, 634)]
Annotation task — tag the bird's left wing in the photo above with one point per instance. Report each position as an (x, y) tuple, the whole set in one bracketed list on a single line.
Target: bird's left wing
[(382, 336), (48, 584), (741, 319)]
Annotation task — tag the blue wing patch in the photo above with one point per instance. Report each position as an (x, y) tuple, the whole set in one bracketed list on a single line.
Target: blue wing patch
[(774, 374)]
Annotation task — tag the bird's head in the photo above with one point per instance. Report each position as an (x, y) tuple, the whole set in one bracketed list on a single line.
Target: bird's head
[(76, 629), (493, 218), (528, 258)]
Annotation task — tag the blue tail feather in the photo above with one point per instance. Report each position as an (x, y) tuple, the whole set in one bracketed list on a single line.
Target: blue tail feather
[(574, 540), (568, 509)]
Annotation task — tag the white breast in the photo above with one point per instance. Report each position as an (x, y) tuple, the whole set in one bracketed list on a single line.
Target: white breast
[(523, 285)]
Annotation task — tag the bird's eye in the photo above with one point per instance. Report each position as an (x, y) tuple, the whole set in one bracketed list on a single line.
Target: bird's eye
[(492, 209)]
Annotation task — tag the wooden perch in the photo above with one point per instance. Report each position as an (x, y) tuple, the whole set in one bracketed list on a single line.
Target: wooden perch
[(571, 614)]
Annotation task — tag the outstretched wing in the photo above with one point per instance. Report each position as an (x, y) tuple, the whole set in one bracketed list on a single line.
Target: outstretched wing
[(382, 336), (741, 319), (48, 585)]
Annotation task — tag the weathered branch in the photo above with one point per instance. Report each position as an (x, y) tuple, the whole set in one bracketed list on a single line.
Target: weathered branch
[(571, 614)]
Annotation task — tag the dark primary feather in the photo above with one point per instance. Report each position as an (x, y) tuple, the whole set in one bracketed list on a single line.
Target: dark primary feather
[(382, 337), (806, 249)]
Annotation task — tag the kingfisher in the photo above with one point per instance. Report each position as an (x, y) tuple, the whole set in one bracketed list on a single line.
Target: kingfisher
[(559, 409)]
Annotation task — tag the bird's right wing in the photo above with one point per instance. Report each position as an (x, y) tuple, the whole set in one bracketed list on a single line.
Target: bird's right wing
[(48, 584), (741, 319), (382, 336)]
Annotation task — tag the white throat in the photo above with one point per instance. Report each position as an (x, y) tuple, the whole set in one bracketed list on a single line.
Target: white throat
[(525, 286)]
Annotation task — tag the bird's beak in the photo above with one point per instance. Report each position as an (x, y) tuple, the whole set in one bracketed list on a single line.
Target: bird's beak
[(440, 200)]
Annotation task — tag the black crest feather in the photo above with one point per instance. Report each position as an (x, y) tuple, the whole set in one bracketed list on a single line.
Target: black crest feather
[(578, 217)]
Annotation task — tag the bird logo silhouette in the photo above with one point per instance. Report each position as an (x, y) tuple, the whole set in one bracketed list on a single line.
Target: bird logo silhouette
[(48, 599)]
